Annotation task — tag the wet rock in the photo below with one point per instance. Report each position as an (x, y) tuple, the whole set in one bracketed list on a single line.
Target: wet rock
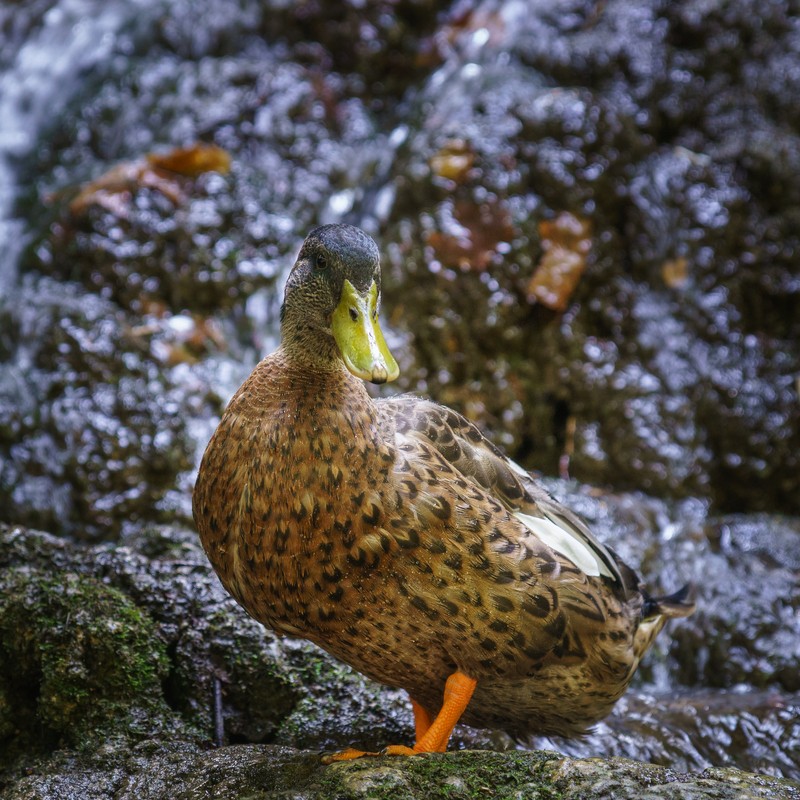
[(469, 319), (689, 730), (381, 47), (97, 441), (679, 385), (94, 429), (385, 47), (152, 249), (285, 691), (103, 642), (627, 779), (152, 772), (744, 570), (744, 634), (225, 237), (80, 663), (303, 139), (682, 385)]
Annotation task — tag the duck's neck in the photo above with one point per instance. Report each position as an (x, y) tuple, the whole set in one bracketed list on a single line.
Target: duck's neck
[(310, 420), (305, 347), (317, 393)]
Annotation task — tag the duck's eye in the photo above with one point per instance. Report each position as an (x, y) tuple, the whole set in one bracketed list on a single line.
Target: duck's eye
[(321, 261)]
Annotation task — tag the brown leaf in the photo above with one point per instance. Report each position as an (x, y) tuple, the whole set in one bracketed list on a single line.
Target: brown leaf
[(114, 189), (192, 161), (472, 244), (566, 241), (453, 161), (675, 272)]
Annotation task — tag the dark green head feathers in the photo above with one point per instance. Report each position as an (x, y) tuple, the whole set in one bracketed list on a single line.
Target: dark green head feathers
[(329, 255), (330, 309)]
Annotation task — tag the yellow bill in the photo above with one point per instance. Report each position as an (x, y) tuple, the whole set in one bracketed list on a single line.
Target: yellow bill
[(359, 336)]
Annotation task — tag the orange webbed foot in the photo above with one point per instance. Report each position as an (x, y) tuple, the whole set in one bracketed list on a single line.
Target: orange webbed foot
[(432, 735), (347, 755)]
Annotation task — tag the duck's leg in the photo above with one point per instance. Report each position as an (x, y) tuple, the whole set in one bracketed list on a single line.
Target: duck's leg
[(422, 719), (458, 692)]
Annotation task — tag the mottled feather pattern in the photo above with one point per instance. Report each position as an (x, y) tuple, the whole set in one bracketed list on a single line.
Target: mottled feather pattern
[(393, 534), (384, 532), (477, 458)]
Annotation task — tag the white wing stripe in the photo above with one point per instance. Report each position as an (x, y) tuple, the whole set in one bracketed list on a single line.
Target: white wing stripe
[(566, 543)]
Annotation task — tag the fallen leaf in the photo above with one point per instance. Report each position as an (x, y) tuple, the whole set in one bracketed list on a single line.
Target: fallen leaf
[(192, 161), (675, 272), (114, 189), (566, 241), (453, 161), (472, 242)]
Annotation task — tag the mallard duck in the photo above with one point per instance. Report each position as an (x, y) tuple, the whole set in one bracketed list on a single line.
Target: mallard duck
[(395, 536)]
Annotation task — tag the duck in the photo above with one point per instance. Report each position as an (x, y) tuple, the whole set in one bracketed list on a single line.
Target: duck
[(394, 535)]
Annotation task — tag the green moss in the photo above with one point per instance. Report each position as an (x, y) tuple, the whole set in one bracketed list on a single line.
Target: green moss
[(454, 776), (78, 663)]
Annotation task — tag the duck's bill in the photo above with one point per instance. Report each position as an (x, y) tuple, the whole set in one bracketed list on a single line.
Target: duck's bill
[(359, 336)]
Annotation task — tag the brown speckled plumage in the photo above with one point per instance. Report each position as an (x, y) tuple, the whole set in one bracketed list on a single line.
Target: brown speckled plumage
[(387, 532)]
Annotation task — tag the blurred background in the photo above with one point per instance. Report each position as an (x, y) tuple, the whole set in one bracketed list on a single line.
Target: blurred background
[(589, 219)]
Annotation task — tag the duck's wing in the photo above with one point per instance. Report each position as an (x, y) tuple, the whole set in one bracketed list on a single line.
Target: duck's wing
[(460, 443)]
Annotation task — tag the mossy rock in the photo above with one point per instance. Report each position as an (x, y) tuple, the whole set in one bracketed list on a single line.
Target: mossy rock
[(78, 663), (267, 772)]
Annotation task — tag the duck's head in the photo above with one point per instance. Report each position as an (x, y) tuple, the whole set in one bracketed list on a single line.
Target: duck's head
[(330, 309)]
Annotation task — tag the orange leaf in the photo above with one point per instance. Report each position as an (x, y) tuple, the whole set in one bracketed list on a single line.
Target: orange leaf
[(160, 171), (566, 241), (192, 161)]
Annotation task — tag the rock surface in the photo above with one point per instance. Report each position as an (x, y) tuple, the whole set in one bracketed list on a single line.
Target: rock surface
[(601, 228), (265, 772), (111, 651)]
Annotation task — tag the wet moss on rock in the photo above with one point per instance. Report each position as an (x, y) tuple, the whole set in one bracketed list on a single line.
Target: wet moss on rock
[(466, 776), (267, 772), (182, 633), (80, 665)]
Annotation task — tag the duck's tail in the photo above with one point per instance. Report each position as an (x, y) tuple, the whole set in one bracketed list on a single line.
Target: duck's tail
[(677, 604), (656, 611)]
